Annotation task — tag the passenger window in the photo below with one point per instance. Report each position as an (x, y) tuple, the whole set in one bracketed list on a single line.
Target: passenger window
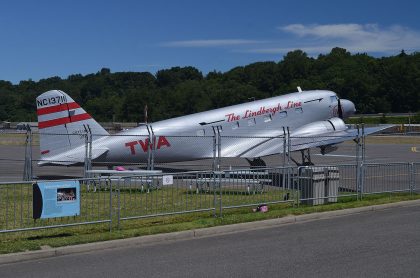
[(299, 109), (333, 99), (235, 125), (267, 118), (201, 132), (283, 114), (251, 122)]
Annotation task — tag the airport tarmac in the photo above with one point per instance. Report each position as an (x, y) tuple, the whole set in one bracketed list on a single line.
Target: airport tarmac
[(12, 160)]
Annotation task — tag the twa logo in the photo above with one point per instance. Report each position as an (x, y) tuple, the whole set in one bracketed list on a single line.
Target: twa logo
[(161, 142)]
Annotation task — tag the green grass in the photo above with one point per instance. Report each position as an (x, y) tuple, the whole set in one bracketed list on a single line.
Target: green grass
[(16, 203), (16, 139), (392, 140), (381, 120), (133, 201), (35, 240)]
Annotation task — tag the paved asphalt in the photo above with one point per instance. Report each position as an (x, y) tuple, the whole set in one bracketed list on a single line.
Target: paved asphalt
[(371, 244)]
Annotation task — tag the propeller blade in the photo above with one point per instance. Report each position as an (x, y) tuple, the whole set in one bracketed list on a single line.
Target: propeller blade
[(340, 110)]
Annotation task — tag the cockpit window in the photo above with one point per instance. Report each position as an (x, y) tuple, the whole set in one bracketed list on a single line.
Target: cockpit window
[(333, 99)]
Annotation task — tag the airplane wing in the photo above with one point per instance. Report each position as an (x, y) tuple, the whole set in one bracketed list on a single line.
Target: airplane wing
[(275, 145)]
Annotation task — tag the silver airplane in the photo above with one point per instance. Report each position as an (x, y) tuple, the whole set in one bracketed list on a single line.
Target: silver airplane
[(250, 130)]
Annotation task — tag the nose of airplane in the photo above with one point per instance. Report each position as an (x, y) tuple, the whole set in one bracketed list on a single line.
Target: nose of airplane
[(347, 107)]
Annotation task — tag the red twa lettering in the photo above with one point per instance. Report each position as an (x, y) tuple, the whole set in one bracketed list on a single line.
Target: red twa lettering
[(131, 146), (161, 142), (145, 144)]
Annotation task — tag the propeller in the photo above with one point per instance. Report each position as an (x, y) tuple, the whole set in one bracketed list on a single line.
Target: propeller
[(340, 109)]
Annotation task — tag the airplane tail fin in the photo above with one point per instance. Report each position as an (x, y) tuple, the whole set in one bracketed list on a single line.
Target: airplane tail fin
[(62, 123)]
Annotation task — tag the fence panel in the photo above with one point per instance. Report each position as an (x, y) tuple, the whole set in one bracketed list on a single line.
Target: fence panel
[(156, 195), (382, 178), (16, 206), (251, 187), (106, 199)]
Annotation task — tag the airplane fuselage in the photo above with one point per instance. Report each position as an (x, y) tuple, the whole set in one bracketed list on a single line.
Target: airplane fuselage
[(247, 130), (191, 137)]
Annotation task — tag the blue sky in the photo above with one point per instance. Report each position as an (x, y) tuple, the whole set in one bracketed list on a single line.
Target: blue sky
[(41, 39)]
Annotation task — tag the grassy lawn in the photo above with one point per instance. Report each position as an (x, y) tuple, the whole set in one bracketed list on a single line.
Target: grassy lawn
[(393, 140), (16, 139), (389, 139), (382, 119), (35, 240)]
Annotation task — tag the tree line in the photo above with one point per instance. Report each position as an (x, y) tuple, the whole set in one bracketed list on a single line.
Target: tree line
[(375, 85)]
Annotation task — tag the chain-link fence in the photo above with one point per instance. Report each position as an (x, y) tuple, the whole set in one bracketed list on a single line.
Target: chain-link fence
[(325, 184), (380, 178), (115, 199), (154, 195), (416, 177), (208, 172), (17, 206), (21, 153)]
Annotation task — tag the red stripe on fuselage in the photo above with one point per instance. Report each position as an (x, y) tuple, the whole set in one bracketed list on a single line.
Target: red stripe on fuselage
[(57, 108), (65, 120)]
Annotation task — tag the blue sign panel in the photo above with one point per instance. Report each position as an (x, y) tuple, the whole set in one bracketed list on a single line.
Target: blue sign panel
[(56, 199)]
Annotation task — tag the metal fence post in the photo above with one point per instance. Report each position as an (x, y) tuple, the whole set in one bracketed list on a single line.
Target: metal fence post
[(217, 185), (289, 146), (217, 148), (219, 155), (220, 195), (362, 166), (288, 157), (283, 176), (214, 170), (88, 152), (298, 187), (28, 170), (415, 177), (110, 205), (119, 203), (214, 193), (284, 147), (358, 162), (149, 144), (412, 177), (152, 158), (214, 150)]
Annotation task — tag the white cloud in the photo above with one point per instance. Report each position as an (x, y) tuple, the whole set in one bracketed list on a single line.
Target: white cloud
[(279, 50), (315, 39), (210, 43), (332, 31)]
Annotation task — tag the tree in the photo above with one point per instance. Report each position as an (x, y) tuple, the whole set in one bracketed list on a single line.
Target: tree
[(375, 85)]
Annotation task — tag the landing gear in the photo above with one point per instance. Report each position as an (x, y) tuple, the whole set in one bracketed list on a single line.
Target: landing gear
[(306, 158), (257, 162)]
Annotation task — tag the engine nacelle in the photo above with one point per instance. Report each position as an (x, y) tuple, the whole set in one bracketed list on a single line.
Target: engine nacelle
[(320, 128)]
